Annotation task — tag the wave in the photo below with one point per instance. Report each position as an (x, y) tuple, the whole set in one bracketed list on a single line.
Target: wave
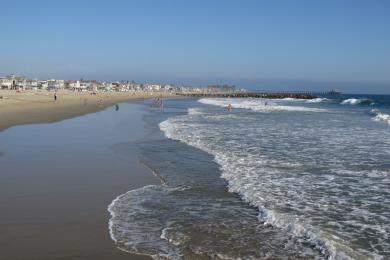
[(134, 229), (291, 99), (241, 169), (357, 101), (235, 185), (317, 100), (169, 223), (380, 116), (258, 105), (194, 111)]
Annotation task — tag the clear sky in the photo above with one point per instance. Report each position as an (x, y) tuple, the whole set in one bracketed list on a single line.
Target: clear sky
[(274, 44)]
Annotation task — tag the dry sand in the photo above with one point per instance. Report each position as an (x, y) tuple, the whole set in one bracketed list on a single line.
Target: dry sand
[(39, 106)]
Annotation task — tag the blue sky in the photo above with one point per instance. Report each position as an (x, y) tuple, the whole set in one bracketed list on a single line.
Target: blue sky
[(279, 44)]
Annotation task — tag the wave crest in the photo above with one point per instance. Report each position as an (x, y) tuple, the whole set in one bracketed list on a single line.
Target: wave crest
[(380, 116), (317, 100), (258, 105), (357, 101)]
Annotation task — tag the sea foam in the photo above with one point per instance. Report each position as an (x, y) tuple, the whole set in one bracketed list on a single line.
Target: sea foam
[(317, 100), (277, 186), (381, 117), (258, 105), (357, 101)]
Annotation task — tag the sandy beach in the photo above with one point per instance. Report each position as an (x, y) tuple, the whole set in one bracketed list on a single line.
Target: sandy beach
[(58, 178), (39, 106)]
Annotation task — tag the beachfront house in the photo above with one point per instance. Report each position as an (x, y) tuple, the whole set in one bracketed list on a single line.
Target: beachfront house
[(31, 84), (42, 84), (101, 86), (78, 85), (153, 87), (74, 85), (114, 86), (134, 86), (53, 84), (168, 88), (5, 83), (13, 82), (93, 86)]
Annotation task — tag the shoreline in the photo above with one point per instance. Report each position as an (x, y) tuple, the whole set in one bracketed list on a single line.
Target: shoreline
[(57, 210), (34, 107)]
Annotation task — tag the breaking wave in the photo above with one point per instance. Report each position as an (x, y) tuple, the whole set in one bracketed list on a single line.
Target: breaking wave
[(306, 200), (258, 105), (380, 116), (277, 186), (357, 101), (317, 100), (238, 183)]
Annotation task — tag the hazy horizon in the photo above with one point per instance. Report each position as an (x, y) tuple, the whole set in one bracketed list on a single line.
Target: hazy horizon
[(278, 45)]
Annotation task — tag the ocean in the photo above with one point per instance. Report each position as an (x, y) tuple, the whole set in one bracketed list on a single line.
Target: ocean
[(283, 178)]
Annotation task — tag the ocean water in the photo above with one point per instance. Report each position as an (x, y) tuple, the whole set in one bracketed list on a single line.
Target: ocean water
[(284, 178)]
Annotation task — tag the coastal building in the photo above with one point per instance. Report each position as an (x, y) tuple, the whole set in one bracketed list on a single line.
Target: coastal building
[(168, 88), (42, 84), (73, 85), (81, 85), (31, 84), (6, 83), (55, 84), (153, 87), (13, 82)]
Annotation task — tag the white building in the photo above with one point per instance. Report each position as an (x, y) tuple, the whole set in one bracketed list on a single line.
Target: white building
[(153, 87), (55, 84), (5, 83), (42, 84)]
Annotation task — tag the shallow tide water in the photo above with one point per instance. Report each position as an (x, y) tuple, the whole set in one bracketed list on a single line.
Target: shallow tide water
[(271, 179)]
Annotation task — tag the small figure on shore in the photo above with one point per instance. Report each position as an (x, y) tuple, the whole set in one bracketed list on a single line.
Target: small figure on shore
[(55, 96), (161, 104), (229, 107), (116, 107), (158, 102), (99, 103)]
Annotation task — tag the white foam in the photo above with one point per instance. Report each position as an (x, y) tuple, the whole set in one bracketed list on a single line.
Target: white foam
[(238, 183), (255, 178), (291, 99), (258, 105), (194, 111), (382, 117), (137, 235), (356, 101), (317, 100)]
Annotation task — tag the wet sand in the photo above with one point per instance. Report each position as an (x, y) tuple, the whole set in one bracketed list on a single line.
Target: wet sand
[(39, 106), (58, 179)]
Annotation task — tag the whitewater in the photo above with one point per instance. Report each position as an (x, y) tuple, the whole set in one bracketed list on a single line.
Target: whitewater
[(290, 178), (320, 177)]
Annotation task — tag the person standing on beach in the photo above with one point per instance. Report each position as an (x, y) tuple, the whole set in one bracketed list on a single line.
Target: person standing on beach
[(55, 96)]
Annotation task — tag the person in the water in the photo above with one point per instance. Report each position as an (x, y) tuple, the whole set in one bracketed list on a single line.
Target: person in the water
[(229, 107)]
